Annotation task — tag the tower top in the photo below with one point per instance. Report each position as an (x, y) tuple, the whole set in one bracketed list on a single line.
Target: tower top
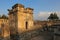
[(17, 5), (29, 8)]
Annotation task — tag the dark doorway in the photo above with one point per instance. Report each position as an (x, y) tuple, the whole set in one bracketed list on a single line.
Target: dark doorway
[(26, 25)]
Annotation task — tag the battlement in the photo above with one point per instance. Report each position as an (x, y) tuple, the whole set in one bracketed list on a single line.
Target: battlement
[(17, 5), (29, 9), (20, 8)]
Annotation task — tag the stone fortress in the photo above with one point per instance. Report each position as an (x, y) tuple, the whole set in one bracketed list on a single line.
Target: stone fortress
[(20, 20)]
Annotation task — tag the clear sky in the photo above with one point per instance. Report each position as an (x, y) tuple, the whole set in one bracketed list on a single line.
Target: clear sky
[(37, 5)]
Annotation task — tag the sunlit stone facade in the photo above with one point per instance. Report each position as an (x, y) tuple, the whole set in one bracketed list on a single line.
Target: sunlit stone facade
[(4, 27), (20, 18)]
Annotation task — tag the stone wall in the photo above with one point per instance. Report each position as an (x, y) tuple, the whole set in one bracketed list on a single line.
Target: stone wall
[(31, 34)]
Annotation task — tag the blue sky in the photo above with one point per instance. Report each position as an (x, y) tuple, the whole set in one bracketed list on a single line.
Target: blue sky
[(37, 5)]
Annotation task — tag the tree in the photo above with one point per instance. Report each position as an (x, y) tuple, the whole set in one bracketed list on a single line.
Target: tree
[(0, 16), (53, 16), (4, 16)]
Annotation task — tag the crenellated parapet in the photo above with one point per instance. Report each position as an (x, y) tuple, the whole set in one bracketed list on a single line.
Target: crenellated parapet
[(20, 8), (29, 10), (17, 5)]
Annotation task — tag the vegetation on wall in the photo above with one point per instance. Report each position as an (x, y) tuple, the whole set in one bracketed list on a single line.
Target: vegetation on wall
[(3, 17)]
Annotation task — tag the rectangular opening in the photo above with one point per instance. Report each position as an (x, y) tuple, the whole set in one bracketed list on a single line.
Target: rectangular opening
[(26, 25)]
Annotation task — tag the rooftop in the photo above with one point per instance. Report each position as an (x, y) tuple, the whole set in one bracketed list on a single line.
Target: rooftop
[(16, 5)]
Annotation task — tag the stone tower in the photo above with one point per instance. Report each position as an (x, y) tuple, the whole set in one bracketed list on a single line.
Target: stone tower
[(4, 28), (20, 18)]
